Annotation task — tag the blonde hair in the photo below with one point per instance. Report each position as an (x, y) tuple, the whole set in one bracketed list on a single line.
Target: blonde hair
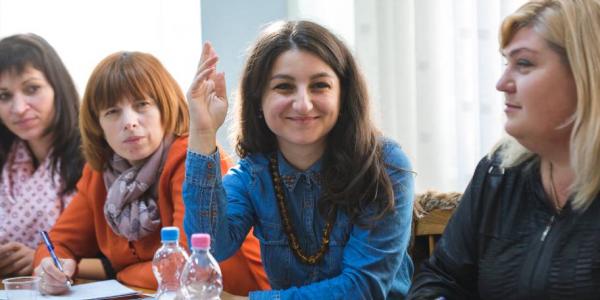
[(572, 29), (128, 74)]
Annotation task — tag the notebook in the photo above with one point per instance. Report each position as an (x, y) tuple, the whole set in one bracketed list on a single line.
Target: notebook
[(107, 289)]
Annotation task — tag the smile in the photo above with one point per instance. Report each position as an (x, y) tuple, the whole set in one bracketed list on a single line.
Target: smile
[(302, 119)]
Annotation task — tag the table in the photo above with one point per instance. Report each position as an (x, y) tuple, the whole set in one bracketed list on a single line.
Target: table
[(224, 296)]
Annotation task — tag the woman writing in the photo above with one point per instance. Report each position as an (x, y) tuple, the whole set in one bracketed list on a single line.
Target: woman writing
[(134, 124), (330, 199), (40, 159), (527, 226)]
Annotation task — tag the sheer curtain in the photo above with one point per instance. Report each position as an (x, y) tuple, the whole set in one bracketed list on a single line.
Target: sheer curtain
[(432, 66)]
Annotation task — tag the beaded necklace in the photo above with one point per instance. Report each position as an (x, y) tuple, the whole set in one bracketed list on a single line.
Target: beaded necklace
[(287, 225)]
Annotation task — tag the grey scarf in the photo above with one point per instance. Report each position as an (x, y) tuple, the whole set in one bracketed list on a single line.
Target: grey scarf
[(130, 209)]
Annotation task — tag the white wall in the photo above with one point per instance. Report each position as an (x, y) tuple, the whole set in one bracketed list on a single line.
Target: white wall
[(84, 32), (231, 26)]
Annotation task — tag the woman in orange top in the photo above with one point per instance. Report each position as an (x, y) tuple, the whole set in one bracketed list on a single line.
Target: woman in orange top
[(134, 126)]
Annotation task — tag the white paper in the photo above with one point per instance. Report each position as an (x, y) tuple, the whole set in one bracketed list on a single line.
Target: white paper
[(95, 290)]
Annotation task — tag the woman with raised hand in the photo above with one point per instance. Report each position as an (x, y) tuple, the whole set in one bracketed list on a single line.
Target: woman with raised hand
[(40, 156), (134, 124), (329, 197), (528, 225)]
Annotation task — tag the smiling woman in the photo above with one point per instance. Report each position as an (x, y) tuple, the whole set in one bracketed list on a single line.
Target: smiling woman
[(301, 102), (329, 196), (134, 124)]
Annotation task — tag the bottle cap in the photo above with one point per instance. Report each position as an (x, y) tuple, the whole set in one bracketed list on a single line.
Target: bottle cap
[(169, 234), (201, 240)]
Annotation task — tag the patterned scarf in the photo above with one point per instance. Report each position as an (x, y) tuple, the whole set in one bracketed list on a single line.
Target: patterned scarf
[(132, 191)]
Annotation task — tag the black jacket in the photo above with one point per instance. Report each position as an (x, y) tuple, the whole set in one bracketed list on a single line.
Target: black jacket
[(505, 241)]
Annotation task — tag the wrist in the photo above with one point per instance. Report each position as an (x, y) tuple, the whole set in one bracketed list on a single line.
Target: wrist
[(204, 143)]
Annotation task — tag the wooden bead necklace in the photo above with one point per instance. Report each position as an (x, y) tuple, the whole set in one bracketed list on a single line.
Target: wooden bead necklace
[(287, 225)]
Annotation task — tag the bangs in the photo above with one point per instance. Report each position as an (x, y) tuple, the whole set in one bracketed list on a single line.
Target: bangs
[(121, 79), (14, 59)]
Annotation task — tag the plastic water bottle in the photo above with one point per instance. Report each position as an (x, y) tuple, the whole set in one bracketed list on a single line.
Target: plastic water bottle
[(201, 277), (168, 263)]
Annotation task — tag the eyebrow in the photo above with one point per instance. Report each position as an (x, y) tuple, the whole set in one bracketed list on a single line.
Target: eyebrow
[(516, 51), (32, 79), (288, 77), (24, 82)]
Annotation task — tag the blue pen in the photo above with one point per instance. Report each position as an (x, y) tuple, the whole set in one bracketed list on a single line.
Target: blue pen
[(50, 247)]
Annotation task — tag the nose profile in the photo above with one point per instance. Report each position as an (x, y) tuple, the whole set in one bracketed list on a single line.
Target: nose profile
[(505, 83)]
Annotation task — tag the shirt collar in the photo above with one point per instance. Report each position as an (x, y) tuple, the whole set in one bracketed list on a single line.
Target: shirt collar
[(291, 176)]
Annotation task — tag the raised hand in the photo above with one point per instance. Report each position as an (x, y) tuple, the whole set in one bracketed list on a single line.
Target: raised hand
[(207, 99), (15, 259), (53, 281)]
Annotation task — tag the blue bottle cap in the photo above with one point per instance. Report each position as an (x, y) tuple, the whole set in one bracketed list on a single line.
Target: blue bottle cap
[(169, 234)]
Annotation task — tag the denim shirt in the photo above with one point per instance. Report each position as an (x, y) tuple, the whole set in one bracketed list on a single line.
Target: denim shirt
[(361, 263)]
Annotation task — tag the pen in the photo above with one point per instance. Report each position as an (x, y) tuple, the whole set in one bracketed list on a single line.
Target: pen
[(50, 247)]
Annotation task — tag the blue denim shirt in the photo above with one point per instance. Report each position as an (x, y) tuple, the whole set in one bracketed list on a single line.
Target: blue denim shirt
[(361, 263)]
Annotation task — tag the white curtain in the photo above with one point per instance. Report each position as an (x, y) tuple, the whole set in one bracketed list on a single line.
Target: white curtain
[(432, 66)]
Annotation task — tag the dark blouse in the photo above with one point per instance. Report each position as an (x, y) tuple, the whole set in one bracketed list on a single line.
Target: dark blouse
[(506, 241)]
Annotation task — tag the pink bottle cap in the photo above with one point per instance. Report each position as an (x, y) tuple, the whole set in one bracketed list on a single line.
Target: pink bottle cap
[(201, 240)]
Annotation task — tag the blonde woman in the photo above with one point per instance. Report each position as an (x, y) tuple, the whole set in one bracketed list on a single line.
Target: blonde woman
[(528, 226)]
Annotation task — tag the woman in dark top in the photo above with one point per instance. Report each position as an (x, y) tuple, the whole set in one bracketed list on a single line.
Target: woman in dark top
[(528, 224)]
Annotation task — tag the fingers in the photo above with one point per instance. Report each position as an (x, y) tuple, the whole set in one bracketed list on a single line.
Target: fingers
[(210, 63), (200, 78), (220, 86), (204, 55), (20, 261), (53, 281), (47, 288), (53, 275), (208, 54), (26, 270), (69, 266), (5, 260), (9, 254), (21, 267), (4, 248)]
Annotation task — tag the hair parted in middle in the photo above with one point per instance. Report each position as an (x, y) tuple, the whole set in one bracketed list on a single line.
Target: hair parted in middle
[(354, 171), (133, 75)]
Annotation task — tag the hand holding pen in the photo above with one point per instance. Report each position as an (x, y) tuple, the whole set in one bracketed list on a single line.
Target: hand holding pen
[(55, 273)]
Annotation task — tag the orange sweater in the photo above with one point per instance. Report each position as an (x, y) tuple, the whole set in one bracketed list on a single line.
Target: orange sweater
[(81, 231)]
